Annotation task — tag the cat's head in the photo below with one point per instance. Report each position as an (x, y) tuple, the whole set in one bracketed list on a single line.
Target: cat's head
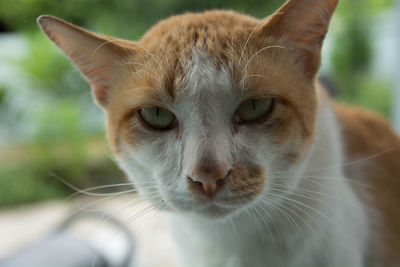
[(207, 109)]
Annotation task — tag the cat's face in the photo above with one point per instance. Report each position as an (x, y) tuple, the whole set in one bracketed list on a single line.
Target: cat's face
[(209, 134), (208, 110)]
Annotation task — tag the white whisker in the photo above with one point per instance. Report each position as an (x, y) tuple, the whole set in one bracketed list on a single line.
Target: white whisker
[(249, 37)]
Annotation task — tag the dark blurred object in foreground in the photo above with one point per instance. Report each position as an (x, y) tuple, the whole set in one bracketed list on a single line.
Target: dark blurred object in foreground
[(85, 239)]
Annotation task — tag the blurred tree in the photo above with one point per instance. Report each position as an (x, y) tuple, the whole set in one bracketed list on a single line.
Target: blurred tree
[(352, 53), (125, 18)]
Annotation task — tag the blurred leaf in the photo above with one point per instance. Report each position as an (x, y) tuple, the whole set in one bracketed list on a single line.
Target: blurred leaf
[(2, 93), (371, 93)]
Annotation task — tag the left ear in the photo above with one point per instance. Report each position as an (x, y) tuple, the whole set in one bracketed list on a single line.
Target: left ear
[(98, 57), (302, 25)]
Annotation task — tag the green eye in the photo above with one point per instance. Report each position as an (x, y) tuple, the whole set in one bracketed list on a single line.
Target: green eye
[(254, 109), (158, 118)]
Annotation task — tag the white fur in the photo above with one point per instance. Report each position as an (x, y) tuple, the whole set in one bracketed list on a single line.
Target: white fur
[(327, 228)]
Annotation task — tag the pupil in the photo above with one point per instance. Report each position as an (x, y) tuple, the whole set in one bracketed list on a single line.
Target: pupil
[(157, 111), (254, 104)]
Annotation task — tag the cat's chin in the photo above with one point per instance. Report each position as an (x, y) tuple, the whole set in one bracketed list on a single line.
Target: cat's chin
[(215, 211)]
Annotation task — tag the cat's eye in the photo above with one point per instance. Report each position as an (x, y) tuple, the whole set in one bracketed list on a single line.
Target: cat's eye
[(254, 109), (157, 118)]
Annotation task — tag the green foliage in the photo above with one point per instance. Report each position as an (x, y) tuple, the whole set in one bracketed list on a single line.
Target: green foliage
[(370, 92), (21, 186), (49, 69), (125, 18), (59, 146), (353, 9), (30, 172), (61, 140), (352, 53), (2, 94), (53, 127)]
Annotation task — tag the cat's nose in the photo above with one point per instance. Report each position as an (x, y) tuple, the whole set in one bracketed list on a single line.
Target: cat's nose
[(207, 182)]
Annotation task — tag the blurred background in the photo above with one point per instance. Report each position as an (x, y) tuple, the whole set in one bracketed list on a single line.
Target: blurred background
[(50, 127)]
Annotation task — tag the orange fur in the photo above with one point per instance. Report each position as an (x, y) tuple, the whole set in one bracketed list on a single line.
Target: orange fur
[(373, 152), (247, 180)]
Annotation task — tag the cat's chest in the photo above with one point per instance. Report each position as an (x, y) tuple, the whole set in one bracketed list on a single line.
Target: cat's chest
[(221, 254), (233, 255), (235, 249)]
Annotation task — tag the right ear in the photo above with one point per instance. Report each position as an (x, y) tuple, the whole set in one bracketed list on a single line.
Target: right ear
[(302, 24), (97, 56)]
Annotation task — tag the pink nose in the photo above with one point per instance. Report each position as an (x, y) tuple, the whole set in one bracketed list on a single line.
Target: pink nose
[(207, 182)]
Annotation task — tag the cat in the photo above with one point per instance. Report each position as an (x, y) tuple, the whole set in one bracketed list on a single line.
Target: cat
[(219, 120)]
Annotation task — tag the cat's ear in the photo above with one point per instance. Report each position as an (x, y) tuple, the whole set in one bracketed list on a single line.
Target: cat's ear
[(302, 24), (97, 56)]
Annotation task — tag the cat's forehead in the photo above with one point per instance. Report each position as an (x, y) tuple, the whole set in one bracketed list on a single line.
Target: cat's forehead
[(196, 51), (211, 30), (217, 54), (203, 78)]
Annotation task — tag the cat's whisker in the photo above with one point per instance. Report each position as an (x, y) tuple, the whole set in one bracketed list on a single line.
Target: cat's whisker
[(232, 57), (148, 73), (101, 45), (88, 193), (297, 203), (306, 222), (84, 191), (352, 162), (254, 75), (143, 213), (236, 233), (324, 177), (86, 206), (267, 225), (274, 219), (88, 190), (155, 59), (249, 37), (315, 195), (258, 52), (264, 223), (142, 224), (281, 209), (142, 219), (282, 180), (292, 222), (254, 219), (350, 181), (288, 198), (134, 63), (108, 216), (120, 227)]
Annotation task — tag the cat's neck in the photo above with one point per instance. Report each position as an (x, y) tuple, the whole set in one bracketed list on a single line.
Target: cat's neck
[(316, 209)]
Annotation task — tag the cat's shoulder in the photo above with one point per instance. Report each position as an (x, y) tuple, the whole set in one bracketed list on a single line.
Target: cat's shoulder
[(372, 160), (365, 131)]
